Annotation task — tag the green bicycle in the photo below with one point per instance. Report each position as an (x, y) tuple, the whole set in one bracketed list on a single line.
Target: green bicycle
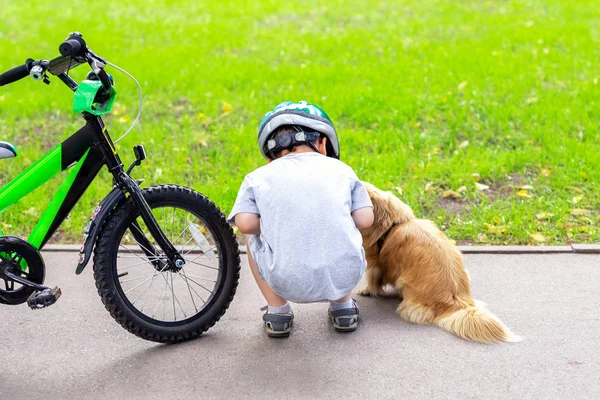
[(166, 263)]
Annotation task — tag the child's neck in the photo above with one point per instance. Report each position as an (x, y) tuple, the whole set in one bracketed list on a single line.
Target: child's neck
[(303, 148)]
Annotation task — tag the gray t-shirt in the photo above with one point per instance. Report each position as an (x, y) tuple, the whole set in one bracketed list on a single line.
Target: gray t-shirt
[(309, 248)]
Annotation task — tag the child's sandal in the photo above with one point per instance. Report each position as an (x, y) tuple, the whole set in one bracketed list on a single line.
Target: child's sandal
[(345, 319), (278, 325)]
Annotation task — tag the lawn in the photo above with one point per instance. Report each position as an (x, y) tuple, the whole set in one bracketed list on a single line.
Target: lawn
[(481, 115)]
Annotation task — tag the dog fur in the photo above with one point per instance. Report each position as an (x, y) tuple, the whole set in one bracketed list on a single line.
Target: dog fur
[(427, 270)]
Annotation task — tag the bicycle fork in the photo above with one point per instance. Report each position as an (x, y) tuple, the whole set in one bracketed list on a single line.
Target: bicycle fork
[(174, 258)]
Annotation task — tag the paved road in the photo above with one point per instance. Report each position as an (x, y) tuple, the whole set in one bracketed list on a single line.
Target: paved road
[(74, 350)]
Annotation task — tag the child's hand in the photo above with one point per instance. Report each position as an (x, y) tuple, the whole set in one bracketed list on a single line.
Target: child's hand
[(363, 217), (248, 223)]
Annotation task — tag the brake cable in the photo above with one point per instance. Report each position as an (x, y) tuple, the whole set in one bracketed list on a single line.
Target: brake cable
[(137, 118)]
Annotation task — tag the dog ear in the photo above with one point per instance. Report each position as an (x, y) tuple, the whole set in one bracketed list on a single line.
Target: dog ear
[(387, 207)]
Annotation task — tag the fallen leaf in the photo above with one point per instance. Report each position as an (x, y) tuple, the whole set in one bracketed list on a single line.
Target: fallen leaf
[(450, 193), (496, 229), (462, 85), (538, 237), (430, 187), (575, 189), (227, 108), (481, 186), (399, 190), (525, 187), (580, 211), (31, 211), (464, 144), (544, 215), (523, 193), (531, 100), (577, 199), (462, 189), (476, 176), (545, 172)]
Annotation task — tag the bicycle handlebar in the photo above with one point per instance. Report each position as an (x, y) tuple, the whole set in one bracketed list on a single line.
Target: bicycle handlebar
[(74, 51), (73, 46), (16, 73)]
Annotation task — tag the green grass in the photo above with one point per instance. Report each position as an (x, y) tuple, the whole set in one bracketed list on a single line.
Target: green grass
[(423, 94)]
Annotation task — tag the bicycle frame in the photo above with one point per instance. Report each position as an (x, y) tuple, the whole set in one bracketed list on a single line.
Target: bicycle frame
[(85, 152), (77, 153)]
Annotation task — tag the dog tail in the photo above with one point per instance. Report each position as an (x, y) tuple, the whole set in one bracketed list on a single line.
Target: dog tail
[(476, 323)]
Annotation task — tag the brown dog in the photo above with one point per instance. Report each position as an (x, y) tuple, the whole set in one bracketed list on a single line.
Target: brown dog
[(415, 257)]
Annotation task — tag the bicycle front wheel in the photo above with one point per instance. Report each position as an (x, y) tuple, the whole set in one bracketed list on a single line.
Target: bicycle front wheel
[(142, 292)]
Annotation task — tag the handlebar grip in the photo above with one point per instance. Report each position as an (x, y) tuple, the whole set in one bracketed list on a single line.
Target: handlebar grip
[(16, 73), (70, 47)]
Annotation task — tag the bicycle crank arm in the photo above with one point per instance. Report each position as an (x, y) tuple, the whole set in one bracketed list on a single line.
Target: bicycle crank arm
[(24, 281)]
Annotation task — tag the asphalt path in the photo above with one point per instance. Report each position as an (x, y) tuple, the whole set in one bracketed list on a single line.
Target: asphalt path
[(74, 350)]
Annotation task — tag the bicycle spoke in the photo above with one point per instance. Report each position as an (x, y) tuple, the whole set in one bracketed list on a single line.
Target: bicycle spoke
[(139, 244), (204, 252), (143, 262), (145, 290), (194, 290), (189, 290), (191, 280), (202, 265), (137, 255), (177, 238), (143, 286), (139, 277), (135, 287), (160, 301), (153, 257), (174, 296), (146, 297), (198, 277), (189, 240), (197, 245)]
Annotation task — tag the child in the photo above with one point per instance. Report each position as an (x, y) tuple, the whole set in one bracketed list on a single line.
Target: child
[(303, 211)]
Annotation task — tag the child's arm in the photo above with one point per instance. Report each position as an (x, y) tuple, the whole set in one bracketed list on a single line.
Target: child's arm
[(248, 223), (362, 207), (363, 218), (245, 214)]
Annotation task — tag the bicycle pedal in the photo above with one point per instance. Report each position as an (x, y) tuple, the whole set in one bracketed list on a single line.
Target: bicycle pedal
[(44, 298)]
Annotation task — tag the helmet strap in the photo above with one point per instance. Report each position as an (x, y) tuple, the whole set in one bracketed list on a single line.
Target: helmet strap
[(288, 141)]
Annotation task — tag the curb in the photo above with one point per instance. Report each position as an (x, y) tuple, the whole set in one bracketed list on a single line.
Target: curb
[(573, 249)]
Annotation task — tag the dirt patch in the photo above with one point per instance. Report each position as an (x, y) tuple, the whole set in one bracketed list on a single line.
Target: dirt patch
[(454, 206)]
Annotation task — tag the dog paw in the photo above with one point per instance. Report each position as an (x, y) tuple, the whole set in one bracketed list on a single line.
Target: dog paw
[(363, 291)]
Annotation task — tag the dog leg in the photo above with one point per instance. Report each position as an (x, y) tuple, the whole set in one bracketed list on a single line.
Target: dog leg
[(411, 309), (415, 313), (374, 283)]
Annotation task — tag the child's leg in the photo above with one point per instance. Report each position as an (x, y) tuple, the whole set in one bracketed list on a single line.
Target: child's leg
[(279, 317), (344, 302), (272, 298)]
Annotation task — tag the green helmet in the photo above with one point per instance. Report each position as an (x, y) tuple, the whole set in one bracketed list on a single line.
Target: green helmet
[(300, 114)]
